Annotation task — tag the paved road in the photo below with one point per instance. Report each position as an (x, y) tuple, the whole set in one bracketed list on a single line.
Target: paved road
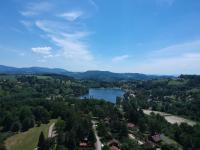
[(51, 131), (98, 142)]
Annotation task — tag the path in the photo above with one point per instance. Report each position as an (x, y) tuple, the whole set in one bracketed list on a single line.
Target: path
[(98, 142), (51, 133)]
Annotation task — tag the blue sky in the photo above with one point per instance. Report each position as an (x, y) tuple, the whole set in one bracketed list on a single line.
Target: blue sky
[(145, 36)]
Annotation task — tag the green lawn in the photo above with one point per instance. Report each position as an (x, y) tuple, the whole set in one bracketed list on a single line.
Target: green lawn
[(27, 140)]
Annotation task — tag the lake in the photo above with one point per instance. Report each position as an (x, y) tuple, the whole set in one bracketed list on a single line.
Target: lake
[(108, 94)]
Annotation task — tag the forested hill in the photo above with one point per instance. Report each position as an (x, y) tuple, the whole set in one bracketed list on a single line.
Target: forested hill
[(96, 75)]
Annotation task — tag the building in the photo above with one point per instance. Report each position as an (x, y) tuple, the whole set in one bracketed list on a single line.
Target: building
[(131, 126), (156, 138), (114, 145)]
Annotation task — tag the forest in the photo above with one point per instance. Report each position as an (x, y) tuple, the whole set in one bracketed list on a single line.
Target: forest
[(28, 101)]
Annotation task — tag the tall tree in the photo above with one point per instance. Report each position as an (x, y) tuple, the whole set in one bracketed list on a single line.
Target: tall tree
[(41, 142)]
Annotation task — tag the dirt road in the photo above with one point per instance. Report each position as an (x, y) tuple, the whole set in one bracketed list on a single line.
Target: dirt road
[(51, 133)]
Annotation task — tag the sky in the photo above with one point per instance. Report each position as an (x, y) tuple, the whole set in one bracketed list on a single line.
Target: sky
[(143, 36)]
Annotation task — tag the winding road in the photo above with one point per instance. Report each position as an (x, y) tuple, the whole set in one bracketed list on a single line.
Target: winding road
[(98, 142)]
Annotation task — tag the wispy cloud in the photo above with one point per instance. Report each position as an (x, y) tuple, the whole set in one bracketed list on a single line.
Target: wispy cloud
[(177, 49), (66, 31), (71, 43), (72, 15), (93, 3), (174, 59), (120, 58), (27, 24), (33, 9), (42, 50)]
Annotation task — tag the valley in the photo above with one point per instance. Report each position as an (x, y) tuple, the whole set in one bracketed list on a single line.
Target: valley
[(93, 114)]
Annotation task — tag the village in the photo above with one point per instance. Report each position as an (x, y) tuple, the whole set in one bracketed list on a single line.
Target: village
[(105, 137)]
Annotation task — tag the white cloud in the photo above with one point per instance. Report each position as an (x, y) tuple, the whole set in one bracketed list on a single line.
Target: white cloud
[(120, 58), (69, 37), (34, 9), (42, 50), (93, 3), (71, 43), (71, 16)]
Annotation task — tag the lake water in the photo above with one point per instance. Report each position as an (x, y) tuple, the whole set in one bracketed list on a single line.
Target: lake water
[(108, 94)]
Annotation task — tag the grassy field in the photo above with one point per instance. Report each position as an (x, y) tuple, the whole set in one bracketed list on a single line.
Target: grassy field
[(27, 140), (177, 83), (171, 118), (8, 77)]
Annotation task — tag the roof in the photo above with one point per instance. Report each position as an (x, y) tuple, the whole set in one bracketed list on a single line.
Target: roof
[(114, 142), (130, 125), (156, 138), (114, 148), (83, 144)]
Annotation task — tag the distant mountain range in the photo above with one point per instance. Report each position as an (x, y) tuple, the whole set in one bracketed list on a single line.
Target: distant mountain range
[(96, 75)]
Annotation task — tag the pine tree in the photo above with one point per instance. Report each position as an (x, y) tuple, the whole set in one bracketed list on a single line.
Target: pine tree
[(41, 142)]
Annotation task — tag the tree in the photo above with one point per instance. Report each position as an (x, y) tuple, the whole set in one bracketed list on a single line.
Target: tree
[(16, 126), (106, 147), (61, 147), (169, 147), (41, 142), (123, 131), (142, 124), (71, 140), (101, 128), (130, 145), (49, 143), (8, 121), (92, 137), (25, 112), (60, 125), (41, 114), (27, 124)]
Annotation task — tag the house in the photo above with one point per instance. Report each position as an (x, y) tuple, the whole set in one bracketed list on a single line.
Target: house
[(131, 126), (156, 138), (114, 148), (83, 144), (107, 120), (114, 145)]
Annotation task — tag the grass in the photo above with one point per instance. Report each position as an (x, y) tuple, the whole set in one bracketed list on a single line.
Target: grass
[(8, 77), (43, 77), (27, 140), (177, 83)]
